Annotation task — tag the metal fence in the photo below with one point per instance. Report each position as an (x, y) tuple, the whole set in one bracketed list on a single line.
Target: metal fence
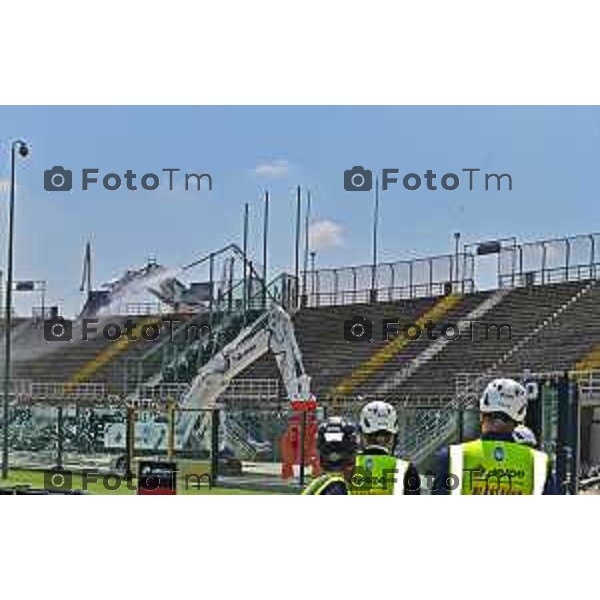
[(230, 446), (550, 261), (104, 436), (44, 435), (533, 263), (390, 281)]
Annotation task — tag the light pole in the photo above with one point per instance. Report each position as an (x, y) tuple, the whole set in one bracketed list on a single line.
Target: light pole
[(245, 265), (456, 272), (306, 245), (297, 246), (44, 285), (313, 256), (23, 150), (373, 293), (265, 249)]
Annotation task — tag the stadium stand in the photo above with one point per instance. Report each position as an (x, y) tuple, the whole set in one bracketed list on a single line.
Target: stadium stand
[(523, 310), (341, 368), (527, 323), (560, 344), (55, 361), (538, 319)]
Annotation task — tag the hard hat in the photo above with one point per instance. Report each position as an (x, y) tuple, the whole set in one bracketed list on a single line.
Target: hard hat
[(505, 396), (378, 416)]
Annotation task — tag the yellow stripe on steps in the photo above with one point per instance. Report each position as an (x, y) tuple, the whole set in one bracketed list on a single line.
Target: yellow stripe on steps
[(589, 362), (367, 369), (111, 352)]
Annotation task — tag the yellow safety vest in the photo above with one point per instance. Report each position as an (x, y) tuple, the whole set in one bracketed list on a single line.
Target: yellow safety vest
[(496, 467), (376, 474), (320, 484)]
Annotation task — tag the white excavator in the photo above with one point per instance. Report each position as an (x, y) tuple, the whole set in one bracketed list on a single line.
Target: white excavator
[(272, 332)]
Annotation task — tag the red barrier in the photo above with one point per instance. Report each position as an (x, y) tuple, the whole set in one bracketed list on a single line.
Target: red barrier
[(291, 441)]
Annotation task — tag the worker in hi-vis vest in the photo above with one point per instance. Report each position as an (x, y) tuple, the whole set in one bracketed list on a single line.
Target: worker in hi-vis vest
[(377, 470), (337, 444), (501, 461)]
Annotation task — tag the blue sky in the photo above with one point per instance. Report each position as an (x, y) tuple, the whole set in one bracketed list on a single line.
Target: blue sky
[(552, 154)]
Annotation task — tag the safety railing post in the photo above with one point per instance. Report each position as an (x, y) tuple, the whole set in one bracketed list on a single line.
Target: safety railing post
[(461, 423), (562, 449), (59, 437), (543, 263), (430, 261), (335, 286), (130, 442), (214, 445), (574, 429), (171, 429)]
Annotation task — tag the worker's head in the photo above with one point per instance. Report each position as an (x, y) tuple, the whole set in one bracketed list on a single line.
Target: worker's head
[(503, 406), (379, 427), (337, 442), (524, 435)]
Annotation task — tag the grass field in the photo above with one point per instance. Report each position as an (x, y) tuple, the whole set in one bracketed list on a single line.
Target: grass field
[(36, 480)]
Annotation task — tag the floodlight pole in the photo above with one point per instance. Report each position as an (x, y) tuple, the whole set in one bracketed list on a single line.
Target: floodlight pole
[(306, 246), (265, 249), (313, 256), (245, 252), (456, 253), (23, 151), (297, 246), (43, 293), (373, 294)]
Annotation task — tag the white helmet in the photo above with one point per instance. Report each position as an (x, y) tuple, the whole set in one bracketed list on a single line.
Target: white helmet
[(378, 416), (505, 396), (524, 435)]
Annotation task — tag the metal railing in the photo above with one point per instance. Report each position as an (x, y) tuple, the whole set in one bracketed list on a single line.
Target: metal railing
[(390, 281), (251, 390), (430, 429), (559, 260), (24, 391), (161, 392), (177, 359), (143, 308), (533, 263)]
